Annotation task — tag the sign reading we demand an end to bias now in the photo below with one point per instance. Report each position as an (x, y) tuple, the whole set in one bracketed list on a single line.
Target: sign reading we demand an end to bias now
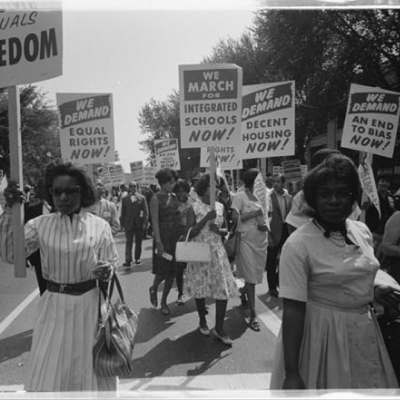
[(210, 105), (371, 121), (268, 120), (30, 42), (86, 127)]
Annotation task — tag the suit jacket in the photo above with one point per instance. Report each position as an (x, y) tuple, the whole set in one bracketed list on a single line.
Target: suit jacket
[(134, 215), (277, 219)]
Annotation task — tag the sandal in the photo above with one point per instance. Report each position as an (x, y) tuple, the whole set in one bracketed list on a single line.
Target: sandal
[(165, 310), (254, 325), (153, 297)]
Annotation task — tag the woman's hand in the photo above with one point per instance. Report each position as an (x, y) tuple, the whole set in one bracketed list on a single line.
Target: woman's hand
[(293, 381), (216, 229), (211, 215), (262, 228), (103, 271), (159, 247)]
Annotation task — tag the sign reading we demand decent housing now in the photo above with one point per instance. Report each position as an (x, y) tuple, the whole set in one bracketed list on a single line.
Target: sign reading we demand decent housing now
[(268, 120), (210, 105), (86, 127), (30, 42), (371, 120)]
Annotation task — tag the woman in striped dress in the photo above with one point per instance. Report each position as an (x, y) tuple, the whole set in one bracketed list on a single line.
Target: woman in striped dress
[(77, 249)]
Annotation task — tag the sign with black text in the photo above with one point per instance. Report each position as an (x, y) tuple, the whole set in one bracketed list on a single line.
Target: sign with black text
[(167, 153), (228, 156), (210, 105), (137, 171)]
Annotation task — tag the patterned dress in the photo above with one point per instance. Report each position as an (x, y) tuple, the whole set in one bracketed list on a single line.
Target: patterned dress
[(213, 279), (168, 222)]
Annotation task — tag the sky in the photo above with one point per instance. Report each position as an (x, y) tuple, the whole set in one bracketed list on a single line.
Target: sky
[(132, 49)]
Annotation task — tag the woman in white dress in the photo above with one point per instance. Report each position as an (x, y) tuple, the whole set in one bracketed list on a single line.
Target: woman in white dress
[(213, 279), (330, 337), (77, 250)]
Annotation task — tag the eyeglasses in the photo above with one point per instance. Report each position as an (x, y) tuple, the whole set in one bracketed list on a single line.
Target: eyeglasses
[(57, 192), (341, 194)]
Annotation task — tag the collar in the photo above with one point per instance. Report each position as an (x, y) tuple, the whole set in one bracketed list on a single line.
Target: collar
[(79, 215)]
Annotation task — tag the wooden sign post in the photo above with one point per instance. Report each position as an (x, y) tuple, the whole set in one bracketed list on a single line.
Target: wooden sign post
[(212, 178), (16, 173)]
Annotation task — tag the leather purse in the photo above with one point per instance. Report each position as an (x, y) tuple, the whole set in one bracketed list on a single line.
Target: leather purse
[(192, 252), (115, 339)]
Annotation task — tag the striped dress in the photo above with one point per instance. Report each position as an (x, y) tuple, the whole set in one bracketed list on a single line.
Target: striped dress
[(61, 352)]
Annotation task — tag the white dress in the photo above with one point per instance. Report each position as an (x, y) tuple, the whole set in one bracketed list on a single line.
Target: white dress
[(61, 354), (342, 346)]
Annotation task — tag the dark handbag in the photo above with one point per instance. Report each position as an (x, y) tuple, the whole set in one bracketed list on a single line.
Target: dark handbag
[(115, 340), (232, 244)]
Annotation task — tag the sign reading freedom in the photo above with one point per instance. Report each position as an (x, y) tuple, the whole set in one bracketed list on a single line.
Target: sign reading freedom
[(31, 42), (210, 105)]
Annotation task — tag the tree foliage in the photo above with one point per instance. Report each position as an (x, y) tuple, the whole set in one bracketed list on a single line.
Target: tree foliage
[(39, 132)]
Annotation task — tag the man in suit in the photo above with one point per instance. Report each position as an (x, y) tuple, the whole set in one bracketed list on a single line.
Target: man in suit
[(134, 218), (280, 202)]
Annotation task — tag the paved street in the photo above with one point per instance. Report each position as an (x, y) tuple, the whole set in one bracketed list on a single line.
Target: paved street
[(170, 352)]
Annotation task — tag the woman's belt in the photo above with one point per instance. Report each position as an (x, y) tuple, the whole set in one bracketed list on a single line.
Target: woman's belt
[(74, 289), (355, 310)]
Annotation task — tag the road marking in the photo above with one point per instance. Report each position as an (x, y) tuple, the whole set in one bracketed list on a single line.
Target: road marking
[(14, 314), (258, 381), (269, 319)]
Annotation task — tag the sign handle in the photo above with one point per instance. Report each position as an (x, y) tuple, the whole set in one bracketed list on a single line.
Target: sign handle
[(14, 118), (212, 177)]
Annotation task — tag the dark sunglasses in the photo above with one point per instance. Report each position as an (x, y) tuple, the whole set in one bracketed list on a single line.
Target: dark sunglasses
[(57, 192)]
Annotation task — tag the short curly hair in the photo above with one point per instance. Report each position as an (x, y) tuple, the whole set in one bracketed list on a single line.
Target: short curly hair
[(336, 166), (60, 167), (165, 175)]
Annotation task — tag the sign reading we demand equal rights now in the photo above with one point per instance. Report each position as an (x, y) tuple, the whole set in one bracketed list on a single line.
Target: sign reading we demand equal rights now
[(210, 105), (371, 120), (86, 127), (268, 120), (30, 42)]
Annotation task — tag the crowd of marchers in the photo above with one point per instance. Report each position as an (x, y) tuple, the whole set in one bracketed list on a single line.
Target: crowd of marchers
[(336, 275)]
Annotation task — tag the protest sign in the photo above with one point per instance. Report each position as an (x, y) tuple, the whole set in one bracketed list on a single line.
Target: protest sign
[(368, 182), (167, 154), (260, 191), (292, 170), (371, 120), (228, 157), (117, 176), (86, 127), (149, 175), (137, 171), (277, 169), (31, 42), (210, 105), (268, 120), (104, 175)]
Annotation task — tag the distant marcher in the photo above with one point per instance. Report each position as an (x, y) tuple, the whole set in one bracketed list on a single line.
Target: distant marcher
[(165, 215), (213, 279), (252, 255), (77, 251), (281, 202), (134, 217)]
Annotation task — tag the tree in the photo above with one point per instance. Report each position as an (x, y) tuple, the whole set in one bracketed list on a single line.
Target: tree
[(39, 132), (160, 120)]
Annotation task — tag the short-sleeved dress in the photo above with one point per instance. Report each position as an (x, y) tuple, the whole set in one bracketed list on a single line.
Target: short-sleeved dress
[(213, 279), (342, 346), (252, 255), (168, 222), (65, 328)]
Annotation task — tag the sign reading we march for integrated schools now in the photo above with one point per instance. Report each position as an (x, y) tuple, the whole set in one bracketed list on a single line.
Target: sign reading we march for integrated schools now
[(86, 127), (268, 120), (210, 105), (371, 120), (167, 153), (31, 41)]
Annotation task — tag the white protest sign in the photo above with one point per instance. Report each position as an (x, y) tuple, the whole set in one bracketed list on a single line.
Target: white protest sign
[(104, 175), (260, 191), (149, 175), (292, 169), (167, 153), (117, 176), (210, 105), (268, 123), (371, 120), (137, 171), (368, 183), (277, 169), (228, 157), (31, 42), (86, 127)]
